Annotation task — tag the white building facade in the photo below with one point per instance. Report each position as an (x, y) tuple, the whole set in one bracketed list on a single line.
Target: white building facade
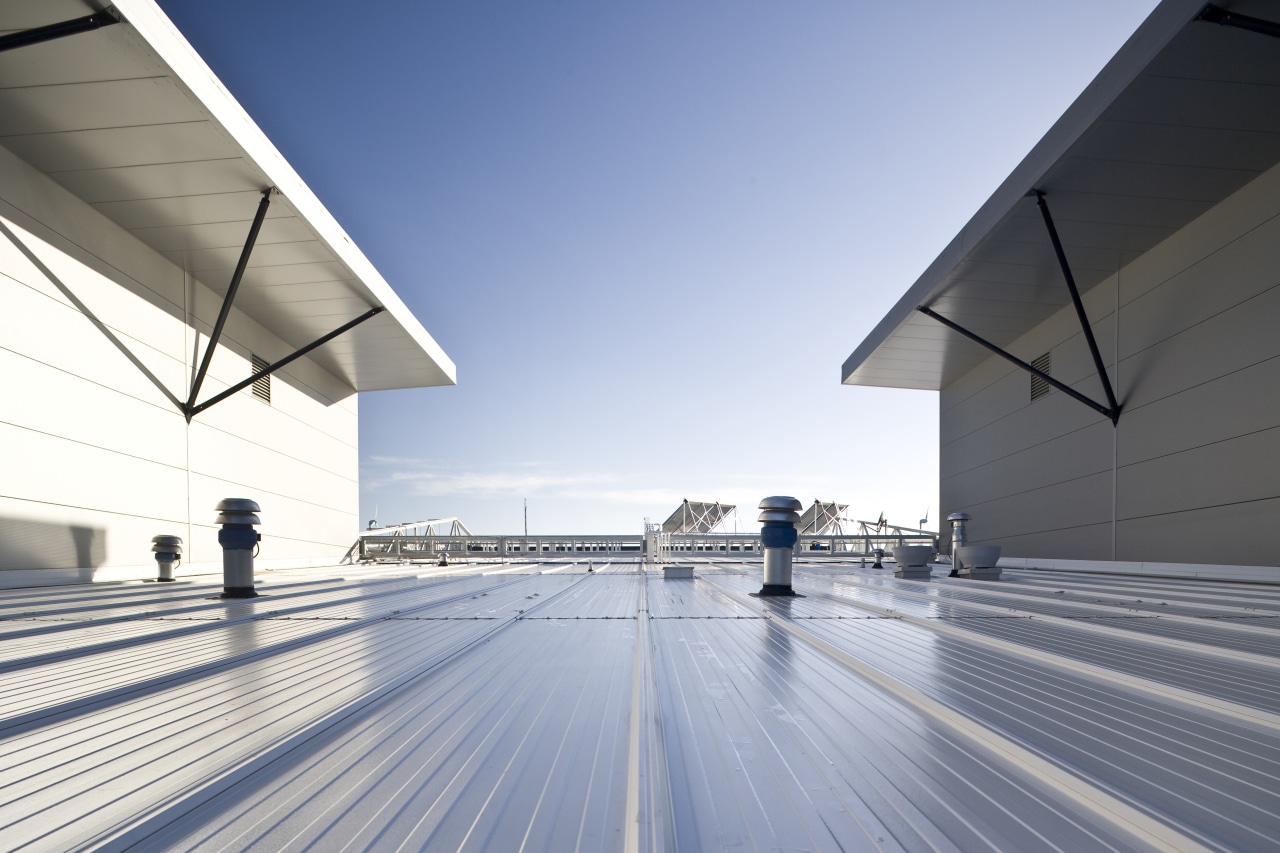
[(129, 183)]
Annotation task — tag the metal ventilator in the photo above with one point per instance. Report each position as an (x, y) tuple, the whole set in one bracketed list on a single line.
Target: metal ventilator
[(778, 537), (238, 517)]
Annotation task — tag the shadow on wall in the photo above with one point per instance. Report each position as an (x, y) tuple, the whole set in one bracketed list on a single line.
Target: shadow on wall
[(26, 544), (197, 347), (89, 315)]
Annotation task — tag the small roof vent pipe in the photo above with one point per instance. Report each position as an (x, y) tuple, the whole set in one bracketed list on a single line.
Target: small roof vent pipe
[(959, 537), (168, 552), (778, 537), (239, 541)]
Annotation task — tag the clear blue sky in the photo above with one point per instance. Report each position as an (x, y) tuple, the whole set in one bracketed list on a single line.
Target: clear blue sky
[(649, 233)]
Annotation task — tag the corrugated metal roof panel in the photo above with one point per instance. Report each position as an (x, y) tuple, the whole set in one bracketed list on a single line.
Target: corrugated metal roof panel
[(529, 710)]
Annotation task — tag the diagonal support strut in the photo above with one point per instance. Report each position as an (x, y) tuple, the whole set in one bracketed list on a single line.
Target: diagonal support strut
[(1114, 414), (1217, 15), (227, 300), (272, 368), (59, 30)]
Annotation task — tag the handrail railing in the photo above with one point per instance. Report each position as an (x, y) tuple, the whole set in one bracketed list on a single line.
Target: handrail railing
[(674, 546)]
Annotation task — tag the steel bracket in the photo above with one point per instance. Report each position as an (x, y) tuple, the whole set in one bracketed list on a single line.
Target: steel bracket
[(59, 30), (192, 411), (1217, 15), (1113, 414)]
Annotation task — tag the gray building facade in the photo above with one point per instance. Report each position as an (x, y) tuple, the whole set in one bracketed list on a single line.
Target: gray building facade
[(1162, 182)]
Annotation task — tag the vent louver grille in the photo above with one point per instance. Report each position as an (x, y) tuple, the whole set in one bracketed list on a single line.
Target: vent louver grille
[(1039, 387), (262, 387)]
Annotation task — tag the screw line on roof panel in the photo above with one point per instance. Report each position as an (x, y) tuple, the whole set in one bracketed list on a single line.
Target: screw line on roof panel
[(1105, 599), (155, 819), (1160, 642), (1166, 692), (46, 714), (1101, 803), (244, 615)]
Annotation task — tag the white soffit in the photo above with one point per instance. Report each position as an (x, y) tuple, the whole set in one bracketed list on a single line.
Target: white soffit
[(132, 121), (1186, 113)]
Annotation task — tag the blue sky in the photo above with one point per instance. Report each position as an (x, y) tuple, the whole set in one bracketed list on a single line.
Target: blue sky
[(650, 233)]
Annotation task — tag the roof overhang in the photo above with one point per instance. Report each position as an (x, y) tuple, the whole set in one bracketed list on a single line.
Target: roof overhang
[(132, 121), (1186, 113)]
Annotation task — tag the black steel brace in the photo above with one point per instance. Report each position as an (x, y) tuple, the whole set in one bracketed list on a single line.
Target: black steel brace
[(1114, 414), (192, 411), (59, 30), (1217, 15), (188, 409)]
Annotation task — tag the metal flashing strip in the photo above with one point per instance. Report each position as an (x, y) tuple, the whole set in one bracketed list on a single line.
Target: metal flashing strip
[(59, 30)]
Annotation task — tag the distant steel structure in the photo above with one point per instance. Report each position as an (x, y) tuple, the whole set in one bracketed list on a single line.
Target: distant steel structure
[(656, 546), (882, 527), (823, 518), (697, 517), (411, 528)]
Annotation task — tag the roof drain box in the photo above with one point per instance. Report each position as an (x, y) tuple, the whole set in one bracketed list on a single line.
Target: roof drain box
[(673, 573)]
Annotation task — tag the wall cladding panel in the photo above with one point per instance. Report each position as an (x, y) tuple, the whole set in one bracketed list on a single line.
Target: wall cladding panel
[(1237, 404), (48, 469), (97, 455), (1083, 452), (1198, 443), (58, 335), (1249, 207), (1221, 281), (267, 469), (1092, 541), (1075, 503), (1053, 418), (1239, 469), (1239, 534), (1230, 340), (54, 402)]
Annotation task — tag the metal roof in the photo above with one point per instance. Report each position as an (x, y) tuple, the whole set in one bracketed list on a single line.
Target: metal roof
[(1186, 113), (131, 120), (543, 708)]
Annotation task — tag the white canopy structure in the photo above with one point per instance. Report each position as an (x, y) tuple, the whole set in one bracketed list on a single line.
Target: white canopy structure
[(128, 118)]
